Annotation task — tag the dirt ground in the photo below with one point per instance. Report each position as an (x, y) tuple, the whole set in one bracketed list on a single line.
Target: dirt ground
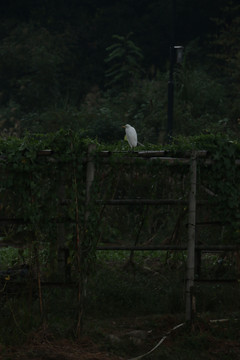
[(132, 336), (127, 337), (42, 346)]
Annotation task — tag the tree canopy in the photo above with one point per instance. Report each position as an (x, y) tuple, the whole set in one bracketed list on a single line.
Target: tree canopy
[(58, 66)]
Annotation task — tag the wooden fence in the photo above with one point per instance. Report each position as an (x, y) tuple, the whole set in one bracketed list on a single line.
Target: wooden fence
[(190, 160), (191, 248)]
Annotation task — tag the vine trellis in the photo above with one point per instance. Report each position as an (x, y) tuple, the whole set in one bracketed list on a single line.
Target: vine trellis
[(61, 196)]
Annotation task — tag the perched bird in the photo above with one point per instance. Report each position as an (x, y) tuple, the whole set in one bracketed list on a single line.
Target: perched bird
[(131, 135)]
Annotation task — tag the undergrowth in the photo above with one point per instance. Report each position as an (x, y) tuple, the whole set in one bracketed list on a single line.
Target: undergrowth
[(153, 284)]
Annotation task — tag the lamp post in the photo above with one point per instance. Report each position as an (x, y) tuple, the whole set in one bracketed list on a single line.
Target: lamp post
[(178, 51), (170, 97)]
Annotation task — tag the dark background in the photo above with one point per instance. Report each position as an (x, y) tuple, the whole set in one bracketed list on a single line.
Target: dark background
[(53, 52)]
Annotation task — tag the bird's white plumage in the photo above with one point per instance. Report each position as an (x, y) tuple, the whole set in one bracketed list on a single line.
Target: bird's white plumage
[(131, 135)]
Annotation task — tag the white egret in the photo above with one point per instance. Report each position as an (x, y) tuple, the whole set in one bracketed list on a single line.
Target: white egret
[(131, 135)]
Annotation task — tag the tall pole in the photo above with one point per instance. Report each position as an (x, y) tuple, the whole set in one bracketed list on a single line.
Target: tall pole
[(170, 96), (170, 81), (190, 297)]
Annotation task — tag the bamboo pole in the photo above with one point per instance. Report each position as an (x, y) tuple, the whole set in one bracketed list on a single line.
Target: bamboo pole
[(64, 270), (39, 284), (78, 250), (82, 279), (89, 178), (190, 298), (170, 247), (153, 202)]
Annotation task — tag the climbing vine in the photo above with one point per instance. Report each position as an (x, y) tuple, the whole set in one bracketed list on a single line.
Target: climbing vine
[(43, 191), (225, 180), (34, 181), (43, 184)]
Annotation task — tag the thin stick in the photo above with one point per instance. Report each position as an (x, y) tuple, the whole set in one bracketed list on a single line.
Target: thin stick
[(190, 301), (38, 267), (79, 253), (39, 280), (138, 234)]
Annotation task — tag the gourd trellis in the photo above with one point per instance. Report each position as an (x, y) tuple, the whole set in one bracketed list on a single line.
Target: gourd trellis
[(160, 156), (191, 247)]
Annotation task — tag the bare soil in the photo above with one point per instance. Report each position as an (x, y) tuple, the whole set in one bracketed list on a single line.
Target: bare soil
[(125, 338)]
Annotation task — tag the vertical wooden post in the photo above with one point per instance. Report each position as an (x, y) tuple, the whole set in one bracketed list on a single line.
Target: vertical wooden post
[(89, 178), (64, 269), (90, 171), (190, 297), (82, 277), (39, 285)]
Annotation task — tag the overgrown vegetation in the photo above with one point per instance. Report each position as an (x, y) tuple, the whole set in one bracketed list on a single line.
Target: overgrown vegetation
[(57, 72), (44, 191), (37, 182), (147, 298)]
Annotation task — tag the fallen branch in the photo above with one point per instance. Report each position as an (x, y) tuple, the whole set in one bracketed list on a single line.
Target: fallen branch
[(159, 343)]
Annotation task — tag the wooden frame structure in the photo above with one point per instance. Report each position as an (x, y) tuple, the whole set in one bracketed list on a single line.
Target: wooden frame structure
[(191, 161)]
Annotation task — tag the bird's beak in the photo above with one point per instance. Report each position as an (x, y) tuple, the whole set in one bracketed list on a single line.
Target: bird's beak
[(124, 126)]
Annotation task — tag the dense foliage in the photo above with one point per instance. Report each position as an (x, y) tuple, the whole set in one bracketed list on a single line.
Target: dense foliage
[(91, 66), (44, 209), (35, 190), (43, 190)]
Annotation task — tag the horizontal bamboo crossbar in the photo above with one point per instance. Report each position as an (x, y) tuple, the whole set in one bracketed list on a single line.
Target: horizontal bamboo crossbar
[(160, 155), (169, 247), (152, 153), (18, 284), (204, 248), (148, 202), (132, 156), (216, 280)]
